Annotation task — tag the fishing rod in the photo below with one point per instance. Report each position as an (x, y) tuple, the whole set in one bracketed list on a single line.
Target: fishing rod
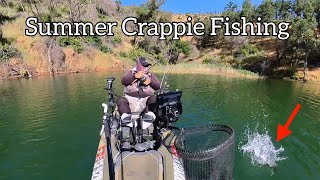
[(146, 70), (107, 117), (157, 62), (164, 76)]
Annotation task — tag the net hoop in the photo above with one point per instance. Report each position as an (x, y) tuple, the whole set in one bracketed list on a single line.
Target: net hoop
[(206, 153)]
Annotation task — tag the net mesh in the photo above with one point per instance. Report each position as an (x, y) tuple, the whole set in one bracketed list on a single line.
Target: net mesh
[(207, 152)]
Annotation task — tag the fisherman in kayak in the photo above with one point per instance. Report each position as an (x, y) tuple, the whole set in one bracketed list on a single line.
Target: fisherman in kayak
[(140, 86)]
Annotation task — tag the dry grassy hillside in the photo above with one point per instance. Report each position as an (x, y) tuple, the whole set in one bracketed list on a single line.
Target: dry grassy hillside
[(38, 55)]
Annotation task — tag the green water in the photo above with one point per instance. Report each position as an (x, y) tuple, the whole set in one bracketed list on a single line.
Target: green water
[(49, 127)]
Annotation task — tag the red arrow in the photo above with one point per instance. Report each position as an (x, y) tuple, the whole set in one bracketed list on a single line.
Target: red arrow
[(283, 131)]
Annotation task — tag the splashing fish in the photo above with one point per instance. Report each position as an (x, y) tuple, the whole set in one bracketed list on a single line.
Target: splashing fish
[(261, 149)]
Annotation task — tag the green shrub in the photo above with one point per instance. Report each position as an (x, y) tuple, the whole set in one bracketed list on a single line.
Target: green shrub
[(102, 16), (148, 46), (94, 40), (248, 50), (7, 52), (134, 54), (10, 4), (123, 54), (64, 41), (212, 60), (101, 11), (97, 42), (3, 17), (182, 47), (105, 49), (18, 8), (65, 9), (55, 13), (161, 59), (142, 11), (77, 47), (188, 14), (74, 42), (285, 73), (46, 18), (117, 38)]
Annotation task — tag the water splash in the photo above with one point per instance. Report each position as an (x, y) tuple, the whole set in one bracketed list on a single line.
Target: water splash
[(261, 149)]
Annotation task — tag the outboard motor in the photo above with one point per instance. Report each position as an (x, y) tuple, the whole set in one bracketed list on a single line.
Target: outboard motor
[(168, 108)]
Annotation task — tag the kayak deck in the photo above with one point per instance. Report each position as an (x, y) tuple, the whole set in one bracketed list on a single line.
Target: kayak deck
[(153, 164)]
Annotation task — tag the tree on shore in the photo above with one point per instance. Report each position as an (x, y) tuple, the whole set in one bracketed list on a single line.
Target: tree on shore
[(267, 10), (316, 5), (231, 11), (304, 31), (283, 9), (248, 10), (118, 3)]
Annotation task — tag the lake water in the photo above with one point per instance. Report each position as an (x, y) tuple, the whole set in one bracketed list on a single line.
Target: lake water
[(49, 127)]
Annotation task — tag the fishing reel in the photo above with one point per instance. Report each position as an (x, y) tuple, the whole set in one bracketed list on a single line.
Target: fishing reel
[(168, 107), (141, 81)]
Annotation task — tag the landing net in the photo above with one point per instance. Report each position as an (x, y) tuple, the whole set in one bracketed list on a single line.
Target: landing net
[(207, 153)]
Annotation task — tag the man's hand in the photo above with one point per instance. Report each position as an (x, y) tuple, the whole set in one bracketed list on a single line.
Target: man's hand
[(139, 74), (147, 81)]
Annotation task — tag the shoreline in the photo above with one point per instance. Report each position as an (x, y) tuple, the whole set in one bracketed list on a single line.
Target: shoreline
[(205, 69), (57, 74), (183, 68), (217, 71)]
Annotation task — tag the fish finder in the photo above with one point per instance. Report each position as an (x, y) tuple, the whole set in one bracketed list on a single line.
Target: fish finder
[(110, 82), (168, 107)]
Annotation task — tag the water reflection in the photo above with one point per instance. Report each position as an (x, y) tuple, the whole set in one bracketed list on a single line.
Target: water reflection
[(49, 126)]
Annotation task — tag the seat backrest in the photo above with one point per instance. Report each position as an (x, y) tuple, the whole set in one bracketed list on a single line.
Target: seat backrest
[(146, 118)]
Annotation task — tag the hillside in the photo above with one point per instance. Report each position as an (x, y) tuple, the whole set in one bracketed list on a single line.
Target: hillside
[(22, 55)]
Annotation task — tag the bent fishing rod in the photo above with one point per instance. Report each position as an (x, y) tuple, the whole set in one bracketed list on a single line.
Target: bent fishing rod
[(146, 70), (163, 84), (164, 76)]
